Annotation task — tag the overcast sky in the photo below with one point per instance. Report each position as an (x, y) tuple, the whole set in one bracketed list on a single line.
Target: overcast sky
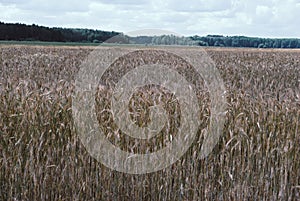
[(263, 18)]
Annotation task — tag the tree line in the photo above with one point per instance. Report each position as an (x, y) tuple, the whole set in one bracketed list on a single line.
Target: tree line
[(242, 41), (218, 41), (22, 32)]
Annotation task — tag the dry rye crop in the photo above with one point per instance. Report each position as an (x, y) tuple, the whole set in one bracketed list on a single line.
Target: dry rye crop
[(257, 157)]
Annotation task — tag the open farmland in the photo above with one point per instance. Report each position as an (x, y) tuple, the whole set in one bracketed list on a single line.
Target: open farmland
[(256, 158)]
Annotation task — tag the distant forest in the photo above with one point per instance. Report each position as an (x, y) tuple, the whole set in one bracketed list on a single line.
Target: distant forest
[(22, 32)]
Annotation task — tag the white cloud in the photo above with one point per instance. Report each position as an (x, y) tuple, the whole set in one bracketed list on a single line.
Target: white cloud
[(124, 2), (267, 18), (199, 5)]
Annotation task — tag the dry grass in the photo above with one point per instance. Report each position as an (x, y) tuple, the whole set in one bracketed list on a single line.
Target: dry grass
[(42, 158)]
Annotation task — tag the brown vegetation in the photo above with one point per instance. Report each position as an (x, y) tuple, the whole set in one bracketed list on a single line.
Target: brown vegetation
[(42, 158)]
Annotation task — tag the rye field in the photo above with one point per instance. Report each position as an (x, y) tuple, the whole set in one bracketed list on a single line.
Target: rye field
[(256, 158)]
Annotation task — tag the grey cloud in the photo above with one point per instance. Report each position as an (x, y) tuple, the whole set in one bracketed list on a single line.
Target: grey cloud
[(269, 18), (55, 6)]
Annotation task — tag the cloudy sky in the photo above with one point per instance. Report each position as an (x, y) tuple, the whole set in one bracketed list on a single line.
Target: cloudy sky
[(263, 18)]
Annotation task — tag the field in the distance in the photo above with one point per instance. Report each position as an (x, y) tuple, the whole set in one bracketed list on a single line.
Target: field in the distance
[(257, 157)]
